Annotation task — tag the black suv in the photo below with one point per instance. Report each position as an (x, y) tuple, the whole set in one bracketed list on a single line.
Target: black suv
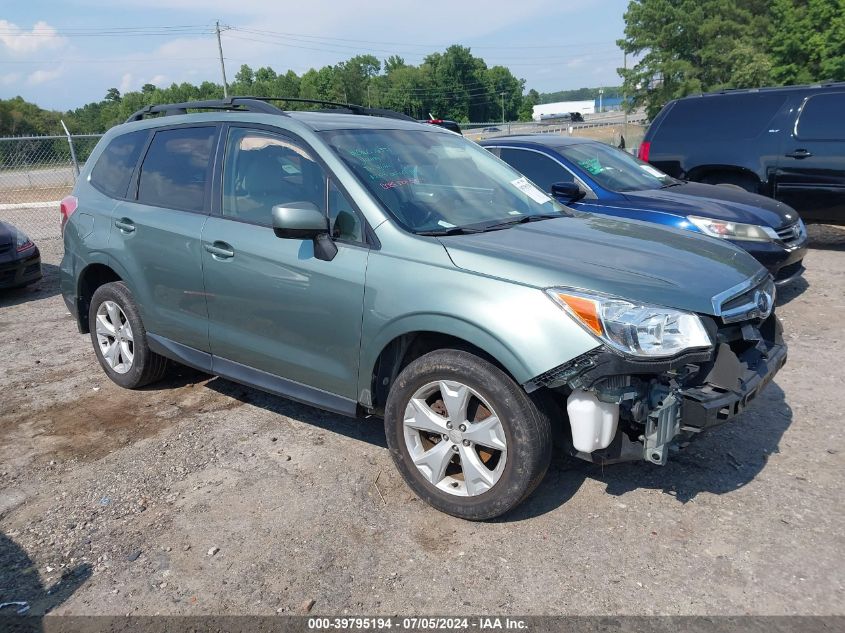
[(786, 143)]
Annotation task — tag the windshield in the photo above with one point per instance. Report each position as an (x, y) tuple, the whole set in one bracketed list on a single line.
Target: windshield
[(614, 169), (438, 183)]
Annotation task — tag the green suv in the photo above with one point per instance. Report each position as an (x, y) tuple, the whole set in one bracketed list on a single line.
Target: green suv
[(365, 263)]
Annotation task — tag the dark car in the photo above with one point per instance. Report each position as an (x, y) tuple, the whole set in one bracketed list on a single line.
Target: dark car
[(785, 143), (20, 261), (592, 176), (444, 123)]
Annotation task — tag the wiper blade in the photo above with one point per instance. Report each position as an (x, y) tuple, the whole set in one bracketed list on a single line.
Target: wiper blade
[(523, 220), (677, 183), (455, 230)]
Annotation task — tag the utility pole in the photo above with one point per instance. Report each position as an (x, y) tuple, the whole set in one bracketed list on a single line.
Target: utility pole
[(222, 65), (503, 105)]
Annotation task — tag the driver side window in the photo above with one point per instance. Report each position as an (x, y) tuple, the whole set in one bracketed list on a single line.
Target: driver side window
[(262, 169), (539, 169)]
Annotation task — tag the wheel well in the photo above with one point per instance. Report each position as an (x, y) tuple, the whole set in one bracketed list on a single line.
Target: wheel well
[(91, 278), (717, 174), (404, 349)]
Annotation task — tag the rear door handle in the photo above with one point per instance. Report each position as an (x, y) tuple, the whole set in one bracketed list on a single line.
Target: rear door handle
[(799, 153), (220, 250), (125, 225)]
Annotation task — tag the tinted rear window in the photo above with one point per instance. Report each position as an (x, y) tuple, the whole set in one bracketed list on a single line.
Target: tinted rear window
[(823, 117), (114, 168), (175, 168), (727, 117)]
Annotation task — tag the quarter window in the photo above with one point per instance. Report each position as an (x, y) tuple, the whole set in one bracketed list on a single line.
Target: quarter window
[(822, 118), (262, 170), (175, 169), (113, 170), (540, 169), (344, 221)]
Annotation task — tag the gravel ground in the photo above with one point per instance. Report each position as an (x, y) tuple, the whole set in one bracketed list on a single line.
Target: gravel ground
[(201, 496)]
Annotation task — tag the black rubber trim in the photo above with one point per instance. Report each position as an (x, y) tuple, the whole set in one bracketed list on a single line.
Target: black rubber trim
[(180, 353)]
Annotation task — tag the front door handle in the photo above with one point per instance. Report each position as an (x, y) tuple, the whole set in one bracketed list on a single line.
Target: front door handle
[(125, 225), (220, 250), (799, 154)]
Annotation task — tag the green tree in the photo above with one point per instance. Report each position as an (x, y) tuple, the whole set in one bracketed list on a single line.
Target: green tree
[(807, 40), (689, 46)]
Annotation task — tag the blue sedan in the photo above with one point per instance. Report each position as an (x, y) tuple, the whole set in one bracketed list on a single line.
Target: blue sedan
[(590, 176)]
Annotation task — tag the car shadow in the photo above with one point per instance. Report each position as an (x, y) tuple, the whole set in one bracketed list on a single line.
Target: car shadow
[(370, 430), (792, 290), (21, 583), (722, 460), (47, 286)]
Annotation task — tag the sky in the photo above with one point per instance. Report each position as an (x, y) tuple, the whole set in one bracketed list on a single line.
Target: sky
[(66, 53)]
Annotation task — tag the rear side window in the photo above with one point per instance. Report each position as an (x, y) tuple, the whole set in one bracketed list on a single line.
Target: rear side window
[(540, 169), (719, 118), (113, 170), (823, 118), (176, 168)]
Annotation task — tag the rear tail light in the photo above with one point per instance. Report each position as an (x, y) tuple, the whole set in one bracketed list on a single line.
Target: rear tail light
[(645, 150), (68, 206)]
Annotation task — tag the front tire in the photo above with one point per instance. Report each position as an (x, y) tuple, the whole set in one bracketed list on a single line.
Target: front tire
[(465, 437), (120, 340)]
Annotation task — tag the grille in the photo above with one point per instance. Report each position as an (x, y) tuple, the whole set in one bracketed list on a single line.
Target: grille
[(5, 247), (755, 303), (791, 234)]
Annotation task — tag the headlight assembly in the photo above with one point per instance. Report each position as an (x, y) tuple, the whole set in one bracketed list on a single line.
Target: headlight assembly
[(631, 328), (733, 230)]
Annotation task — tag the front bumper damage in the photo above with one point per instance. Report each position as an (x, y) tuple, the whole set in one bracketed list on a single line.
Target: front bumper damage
[(666, 403)]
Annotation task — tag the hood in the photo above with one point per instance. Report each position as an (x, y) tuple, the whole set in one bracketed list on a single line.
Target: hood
[(635, 260), (714, 201)]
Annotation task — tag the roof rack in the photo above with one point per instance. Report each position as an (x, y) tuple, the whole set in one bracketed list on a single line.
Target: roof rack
[(261, 105), (237, 104)]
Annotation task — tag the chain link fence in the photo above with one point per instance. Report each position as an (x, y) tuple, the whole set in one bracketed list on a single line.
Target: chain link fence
[(35, 173)]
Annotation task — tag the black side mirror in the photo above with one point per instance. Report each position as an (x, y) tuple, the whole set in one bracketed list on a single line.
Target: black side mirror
[(569, 191), (304, 221)]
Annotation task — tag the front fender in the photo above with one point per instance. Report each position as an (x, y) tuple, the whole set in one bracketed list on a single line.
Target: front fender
[(518, 325)]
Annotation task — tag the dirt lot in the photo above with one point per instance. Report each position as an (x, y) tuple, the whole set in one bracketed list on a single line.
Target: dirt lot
[(201, 496)]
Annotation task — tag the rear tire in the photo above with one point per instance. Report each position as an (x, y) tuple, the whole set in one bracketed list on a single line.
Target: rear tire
[(474, 465), (120, 340)]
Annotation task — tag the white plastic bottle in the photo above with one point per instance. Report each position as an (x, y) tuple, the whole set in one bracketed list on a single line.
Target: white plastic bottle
[(593, 422)]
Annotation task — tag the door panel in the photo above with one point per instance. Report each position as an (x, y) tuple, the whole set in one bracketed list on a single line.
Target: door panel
[(272, 305), (275, 307), (157, 244), (811, 168)]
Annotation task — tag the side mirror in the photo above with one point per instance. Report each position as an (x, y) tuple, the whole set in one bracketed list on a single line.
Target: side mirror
[(304, 221), (569, 191)]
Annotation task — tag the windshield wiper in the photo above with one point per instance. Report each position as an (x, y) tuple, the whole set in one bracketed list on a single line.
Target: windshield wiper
[(455, 230), (523, 220), (677, 183)]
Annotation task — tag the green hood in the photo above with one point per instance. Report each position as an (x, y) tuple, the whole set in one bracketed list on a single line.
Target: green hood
[(634, 260)]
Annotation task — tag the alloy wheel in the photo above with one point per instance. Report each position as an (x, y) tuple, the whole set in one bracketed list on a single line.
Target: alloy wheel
[(114, 336), (455, 438)]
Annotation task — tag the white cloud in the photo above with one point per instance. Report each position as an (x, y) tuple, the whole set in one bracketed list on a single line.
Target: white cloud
[(158, 80), (125, 83), (41, 76), (19, 41), (9, 79)]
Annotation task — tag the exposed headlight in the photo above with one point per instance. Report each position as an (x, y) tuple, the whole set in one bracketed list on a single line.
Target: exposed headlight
[(631, 328), (733, 230), (22, 242)]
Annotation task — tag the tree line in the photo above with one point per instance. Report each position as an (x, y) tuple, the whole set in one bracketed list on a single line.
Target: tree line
[(453, 84), (690, 46)]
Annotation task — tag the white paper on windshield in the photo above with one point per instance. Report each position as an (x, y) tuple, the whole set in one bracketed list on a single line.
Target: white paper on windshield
[(651, 170), (525, 186), (446, 224)]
